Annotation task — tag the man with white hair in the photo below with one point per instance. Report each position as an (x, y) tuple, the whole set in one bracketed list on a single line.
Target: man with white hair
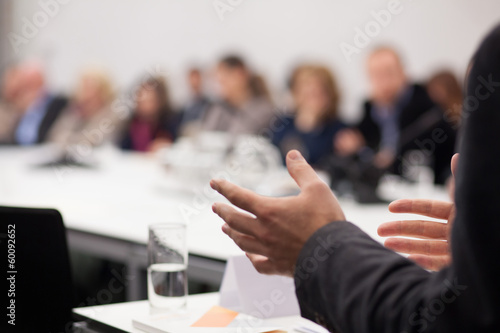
[(39, 109)]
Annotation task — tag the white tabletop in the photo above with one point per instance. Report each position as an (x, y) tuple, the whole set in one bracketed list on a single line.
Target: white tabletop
[(120, 315), (127, 192)]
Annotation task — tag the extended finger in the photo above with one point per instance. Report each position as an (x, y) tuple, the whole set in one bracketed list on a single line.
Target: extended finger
[(237, 220), (245, 242), (434, 263), (430, 208), (262, 263), (240, 197), (412, 246), (454, 164), (414, 228), (300, 170)]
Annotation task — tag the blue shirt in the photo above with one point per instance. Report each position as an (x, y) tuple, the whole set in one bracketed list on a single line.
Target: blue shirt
[(29, 125), (388, 120), (314, 145)]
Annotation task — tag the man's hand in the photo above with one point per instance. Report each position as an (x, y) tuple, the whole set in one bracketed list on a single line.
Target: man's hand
[(431, 251), (348, 142), (272, 231)]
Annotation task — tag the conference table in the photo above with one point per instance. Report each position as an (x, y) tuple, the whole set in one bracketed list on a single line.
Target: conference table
[(108, 206), (119, 317)]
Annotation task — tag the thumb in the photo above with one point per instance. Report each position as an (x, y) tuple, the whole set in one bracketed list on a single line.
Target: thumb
[(299, 169)]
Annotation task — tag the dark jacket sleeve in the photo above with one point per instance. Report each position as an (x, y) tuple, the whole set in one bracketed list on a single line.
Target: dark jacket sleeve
[(368, 128), (350, 283), (54, 109)]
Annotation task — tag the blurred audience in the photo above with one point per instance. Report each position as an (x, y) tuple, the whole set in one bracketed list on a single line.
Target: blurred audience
[(399, 118), (154, 123), (10, 87), (245, 107), (196, 108), (88, 118), (445, 90), (314, 123), (38, 108)]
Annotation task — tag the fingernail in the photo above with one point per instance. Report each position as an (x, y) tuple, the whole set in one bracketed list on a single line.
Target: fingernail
[(214, 185), (224, 228), (295, 155), (214, 208)]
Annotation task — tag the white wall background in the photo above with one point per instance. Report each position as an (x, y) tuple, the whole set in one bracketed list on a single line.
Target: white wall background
[(129, 37)]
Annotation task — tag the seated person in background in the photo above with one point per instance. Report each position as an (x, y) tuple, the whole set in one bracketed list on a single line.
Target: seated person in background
[(259, 88), (194, 111), (400, 117), (153, 124), (10, 87), (88, 120), (312, 127), (446, 92), (38, 109), (244, 108)]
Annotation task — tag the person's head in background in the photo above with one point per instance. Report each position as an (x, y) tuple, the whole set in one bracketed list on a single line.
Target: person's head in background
[(259, 88), (31, 79), (386, 75), (152, 101), (446, 91), (10, 85), (315, 94), (94, 93), (233, 78), (195, 82)]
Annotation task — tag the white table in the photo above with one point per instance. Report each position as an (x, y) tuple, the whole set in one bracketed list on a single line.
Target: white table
[(107, 210), (118, 317)]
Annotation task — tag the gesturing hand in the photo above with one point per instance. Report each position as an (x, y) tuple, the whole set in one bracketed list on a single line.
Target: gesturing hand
[(272, 231), (431, 251)]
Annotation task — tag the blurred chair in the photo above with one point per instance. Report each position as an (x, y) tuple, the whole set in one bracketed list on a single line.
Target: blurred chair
[(43, 284)]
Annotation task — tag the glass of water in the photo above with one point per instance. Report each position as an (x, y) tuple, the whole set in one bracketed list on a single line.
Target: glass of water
[(168, 260)]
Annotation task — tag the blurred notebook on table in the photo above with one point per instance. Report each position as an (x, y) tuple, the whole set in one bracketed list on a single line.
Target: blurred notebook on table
[(214, 319)]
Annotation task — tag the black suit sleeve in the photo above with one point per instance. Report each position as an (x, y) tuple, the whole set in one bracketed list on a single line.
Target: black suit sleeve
[(54, 110), (350, 283)]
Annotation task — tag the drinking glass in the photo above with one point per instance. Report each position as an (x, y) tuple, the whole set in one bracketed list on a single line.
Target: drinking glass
[(168, 260)]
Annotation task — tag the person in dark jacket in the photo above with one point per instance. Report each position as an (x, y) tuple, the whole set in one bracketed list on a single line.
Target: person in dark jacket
[(348, 282), (312, 127), (194, 111), (153, 124), (399, 118)]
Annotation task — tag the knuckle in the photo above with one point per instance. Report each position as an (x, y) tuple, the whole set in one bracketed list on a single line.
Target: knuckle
[(237, 239), (267, 238), (266, 211), (229, 218), (318, 186)]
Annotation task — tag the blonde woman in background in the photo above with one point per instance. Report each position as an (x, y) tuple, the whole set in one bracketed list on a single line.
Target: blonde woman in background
[(88, 120)]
